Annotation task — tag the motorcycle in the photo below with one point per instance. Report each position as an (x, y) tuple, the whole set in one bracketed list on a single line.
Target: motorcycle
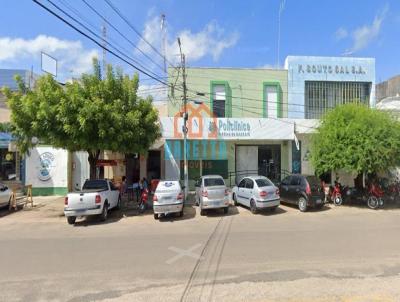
[(375, 198), (144, 197), (336, 194)]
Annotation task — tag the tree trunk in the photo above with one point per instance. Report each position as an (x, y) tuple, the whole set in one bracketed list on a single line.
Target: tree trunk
[(93, 157)]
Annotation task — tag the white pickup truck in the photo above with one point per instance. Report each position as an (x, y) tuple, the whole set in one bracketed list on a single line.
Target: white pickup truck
[(96, 198)]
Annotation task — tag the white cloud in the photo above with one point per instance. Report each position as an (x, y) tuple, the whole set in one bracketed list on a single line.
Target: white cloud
[(157, 91), (73, 58), (364, 35), (341, 33), (212, 40)]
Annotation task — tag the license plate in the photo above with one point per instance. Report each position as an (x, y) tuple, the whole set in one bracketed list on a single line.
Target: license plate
[(216, 203)]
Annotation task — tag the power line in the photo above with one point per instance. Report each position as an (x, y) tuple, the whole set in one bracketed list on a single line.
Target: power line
[(121, 34), (98, 43), (118, 12), (103, 43)]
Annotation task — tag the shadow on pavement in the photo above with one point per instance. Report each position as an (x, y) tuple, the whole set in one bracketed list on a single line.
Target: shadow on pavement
[(189, 212), (309, 209), (211, 213)]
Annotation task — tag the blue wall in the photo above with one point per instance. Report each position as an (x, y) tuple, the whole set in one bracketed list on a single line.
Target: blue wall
[(338, 69)]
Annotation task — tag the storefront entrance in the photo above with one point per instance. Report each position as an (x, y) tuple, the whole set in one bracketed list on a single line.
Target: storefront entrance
[(258, 159)]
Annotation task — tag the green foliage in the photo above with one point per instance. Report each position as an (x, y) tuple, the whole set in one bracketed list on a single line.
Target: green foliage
[(356, 138), (5, 127), (89, 114)]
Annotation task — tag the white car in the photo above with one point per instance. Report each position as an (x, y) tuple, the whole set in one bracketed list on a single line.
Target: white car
[(211, 193), (5, 196), (96, 198), (168, 198), (256, 192)]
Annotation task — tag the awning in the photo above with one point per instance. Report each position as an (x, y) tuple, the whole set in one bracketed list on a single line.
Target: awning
[(5, 139)]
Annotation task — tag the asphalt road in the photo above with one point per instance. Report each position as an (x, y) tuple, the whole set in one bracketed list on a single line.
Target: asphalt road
[(336, 254)]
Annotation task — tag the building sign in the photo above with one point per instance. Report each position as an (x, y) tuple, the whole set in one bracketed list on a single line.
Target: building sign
[(228, 128), (47, 164), (331, 69)]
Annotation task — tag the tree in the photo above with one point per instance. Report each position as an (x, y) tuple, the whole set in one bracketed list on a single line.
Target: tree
[(91, 114), (356, 138)]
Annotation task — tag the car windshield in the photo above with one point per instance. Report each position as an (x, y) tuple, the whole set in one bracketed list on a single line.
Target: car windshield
[(95, 185), (210, 182), (264, 182)]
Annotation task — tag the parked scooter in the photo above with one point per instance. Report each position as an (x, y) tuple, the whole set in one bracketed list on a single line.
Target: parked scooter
[(336, 194), (144, 197), (375, 198)]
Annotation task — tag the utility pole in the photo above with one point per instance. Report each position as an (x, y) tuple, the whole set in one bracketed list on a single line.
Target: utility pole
[(164, 32), (184, 128), (104, 35)]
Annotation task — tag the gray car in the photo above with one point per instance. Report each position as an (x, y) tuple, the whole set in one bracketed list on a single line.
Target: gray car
[(211, 193), (256, 192)]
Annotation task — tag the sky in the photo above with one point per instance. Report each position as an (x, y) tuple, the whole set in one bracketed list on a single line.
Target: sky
[(225, 33)]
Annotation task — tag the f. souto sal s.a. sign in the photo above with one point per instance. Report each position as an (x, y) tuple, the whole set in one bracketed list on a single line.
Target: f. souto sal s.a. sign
[(330, 69)]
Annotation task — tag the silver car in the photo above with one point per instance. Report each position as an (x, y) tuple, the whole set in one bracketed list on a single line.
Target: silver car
[(168, 198), (256, 192), (211, 193)]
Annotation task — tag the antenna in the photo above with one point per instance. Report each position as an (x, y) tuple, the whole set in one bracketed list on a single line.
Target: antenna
[(104, 34), (163, 46)]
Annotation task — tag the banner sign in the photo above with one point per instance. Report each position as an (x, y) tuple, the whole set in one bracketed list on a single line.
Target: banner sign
[(228, 128)]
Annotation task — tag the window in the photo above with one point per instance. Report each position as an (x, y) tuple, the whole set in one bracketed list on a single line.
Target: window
[(320, 96), (295, 181), (286, 181), (210, 182), (242, 184), (271, 100), (219, 99), (249, 184), (264, 182)]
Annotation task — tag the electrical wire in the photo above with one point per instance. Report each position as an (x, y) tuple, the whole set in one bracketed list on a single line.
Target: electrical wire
[(121, 34)]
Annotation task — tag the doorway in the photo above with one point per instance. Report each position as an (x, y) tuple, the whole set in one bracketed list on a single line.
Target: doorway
[(269, 161), (132, 168), (154, 164)]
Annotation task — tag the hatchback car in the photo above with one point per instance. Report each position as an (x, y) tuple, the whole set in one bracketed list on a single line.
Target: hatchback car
[(303, 191), (256, 192), (168, 198), (211, 193)]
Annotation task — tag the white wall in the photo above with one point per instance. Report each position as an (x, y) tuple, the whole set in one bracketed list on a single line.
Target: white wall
[(80, 169), (47, 167)]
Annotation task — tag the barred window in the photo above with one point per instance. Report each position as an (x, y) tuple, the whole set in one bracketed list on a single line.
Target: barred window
[(320, 96)]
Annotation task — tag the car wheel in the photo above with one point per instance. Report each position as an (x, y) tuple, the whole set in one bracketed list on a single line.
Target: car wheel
[(373, 202), (104, 213), (226, 210), (302, 204), (235, 203), (253, 207), (71, 219), (155, 216)]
